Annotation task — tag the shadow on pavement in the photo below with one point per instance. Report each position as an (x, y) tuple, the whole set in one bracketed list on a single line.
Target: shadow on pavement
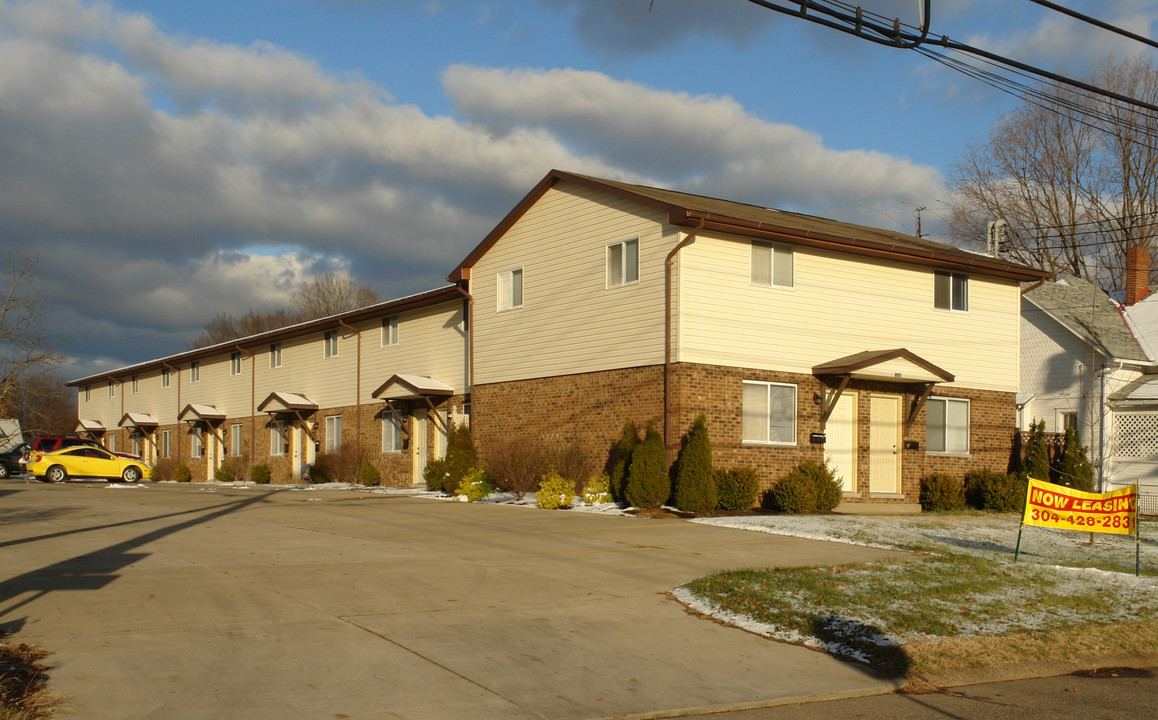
[(96, 569)]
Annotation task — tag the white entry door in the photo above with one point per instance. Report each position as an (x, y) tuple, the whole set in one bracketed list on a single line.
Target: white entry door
[(417, 445), (885, 444), (840, 443)]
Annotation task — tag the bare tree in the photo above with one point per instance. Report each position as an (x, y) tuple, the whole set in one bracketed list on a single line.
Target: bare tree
[(42, 404), (25, 347), (331, 294), (226, 327), (1075, 178)]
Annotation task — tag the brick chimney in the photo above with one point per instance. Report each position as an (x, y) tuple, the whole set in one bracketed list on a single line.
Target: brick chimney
[(1137, 273)]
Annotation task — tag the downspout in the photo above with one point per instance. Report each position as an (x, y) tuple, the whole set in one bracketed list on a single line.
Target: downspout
[(177, 414), (469, 345), (689, 238), (252, 404), (357, 388)]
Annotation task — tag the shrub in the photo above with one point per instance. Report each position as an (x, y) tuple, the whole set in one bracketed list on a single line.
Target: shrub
[(231, 470), (369, 474), (517, 466), (345, 465), (1036, 463), (475, 486), (260, 474), (571, 461), (695, 490), (436, 474), (648, 482), (810, 487), (628, 441), (1074, 469), (942, 491), (991, 490), (555, 491), (596, 491), (737, 488), (181, 473), (447, 473), (163, 469)]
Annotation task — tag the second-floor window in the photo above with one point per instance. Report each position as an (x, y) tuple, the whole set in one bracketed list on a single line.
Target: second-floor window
[(235, 363), (330, 344), (389, 331), (274, 355), (164, 381), (951, 291), (195, 371), (136, 385), (772, 264), (87, 393), (510, 287), (112, 389), (623, 263)]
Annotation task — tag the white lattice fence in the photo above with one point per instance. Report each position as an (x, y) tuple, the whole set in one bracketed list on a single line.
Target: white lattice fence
[(1136, 435)]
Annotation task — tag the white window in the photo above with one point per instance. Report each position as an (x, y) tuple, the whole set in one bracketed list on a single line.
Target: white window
[(769, 413), (511, 289), (235, 363), (112, 443), (951, 291), (235, 437), (166, 446), (333, 433), (195, 443), (330, 344), (623, 263), (389, 331), (112, 389), (772, 264), (164, 381), (136, 385), (1066, 420), (277, 440), (274, 355), (136, 441), (195, 371), (391, 432), (87, 393), (947, 425)]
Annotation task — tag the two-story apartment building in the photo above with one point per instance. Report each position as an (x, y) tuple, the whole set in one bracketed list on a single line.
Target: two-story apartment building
[(383, 381), (596, 301)]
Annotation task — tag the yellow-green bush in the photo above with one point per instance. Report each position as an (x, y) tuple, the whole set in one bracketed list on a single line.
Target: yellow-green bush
[(181, 473), (555, 492), (260, 474), (475, 486), (598, 490), (370, 474)]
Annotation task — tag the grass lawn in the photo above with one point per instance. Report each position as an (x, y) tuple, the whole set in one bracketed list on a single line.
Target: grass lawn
[(961, 603)]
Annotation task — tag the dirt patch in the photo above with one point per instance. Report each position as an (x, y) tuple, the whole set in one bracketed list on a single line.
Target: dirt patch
[(660, 514), (23, 681)]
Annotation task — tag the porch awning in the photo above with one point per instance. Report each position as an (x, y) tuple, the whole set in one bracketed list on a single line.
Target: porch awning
[(206, 413), (142, 421), (89, 426), (898, 365), (284, 402), (412, 387), (1144, 390)]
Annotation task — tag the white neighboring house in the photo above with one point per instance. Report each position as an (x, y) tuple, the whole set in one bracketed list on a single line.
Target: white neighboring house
[(1090, 361)]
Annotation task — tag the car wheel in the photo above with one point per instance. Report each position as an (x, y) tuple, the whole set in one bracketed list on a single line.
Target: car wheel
[(3, 471), (56, 473), (131, 474)]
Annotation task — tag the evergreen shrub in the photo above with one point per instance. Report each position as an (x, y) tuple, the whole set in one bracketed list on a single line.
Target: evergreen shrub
[(369, 474), (737, 488), (181, 473), (695, 491), (996, 491), (810, 487), (1073, 468), (597, 492), (260, 474), (648, 482), (555, 492), (475, 486), (628, 441), (942, 491)]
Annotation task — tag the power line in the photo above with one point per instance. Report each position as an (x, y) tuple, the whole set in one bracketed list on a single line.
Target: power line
[(1095, 22)]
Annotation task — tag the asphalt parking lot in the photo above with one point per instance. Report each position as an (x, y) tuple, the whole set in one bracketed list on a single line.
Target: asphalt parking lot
[(193, 601)]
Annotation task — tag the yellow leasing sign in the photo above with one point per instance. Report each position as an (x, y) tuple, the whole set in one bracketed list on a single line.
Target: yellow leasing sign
[(1050, 505)]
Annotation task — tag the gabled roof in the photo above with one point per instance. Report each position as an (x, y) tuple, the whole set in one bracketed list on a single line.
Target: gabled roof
[(689, 210), (194, 412), (138, 420), (409, 387), (279, 402), (90, 426), (897, 365), (1087, 312)]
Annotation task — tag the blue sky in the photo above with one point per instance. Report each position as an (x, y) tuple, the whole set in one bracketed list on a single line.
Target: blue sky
[(169, 161)]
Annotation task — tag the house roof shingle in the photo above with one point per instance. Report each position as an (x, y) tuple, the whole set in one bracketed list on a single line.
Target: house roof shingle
[(1088, 313)]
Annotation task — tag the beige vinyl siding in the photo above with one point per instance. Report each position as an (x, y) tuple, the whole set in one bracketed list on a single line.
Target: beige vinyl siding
[(161, 403), (570, 321), (100, 407), (329, 382), (840, 305), (228, 393)]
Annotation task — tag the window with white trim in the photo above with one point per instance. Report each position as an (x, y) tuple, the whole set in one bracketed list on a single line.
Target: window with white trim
[(164, 381), (136, 445), (166, 443), (277, 441), (623, 263), (389, 331), (195, 371), (112, 443), (391, 432), (769, 413), (772, 264), (951, 291), (195, 443), (87, 393), (274, 356), (112, 389), (947, 425), (510, 289), (330, 344), (235, 363), (136, 385), (235, 439), (333, 433)]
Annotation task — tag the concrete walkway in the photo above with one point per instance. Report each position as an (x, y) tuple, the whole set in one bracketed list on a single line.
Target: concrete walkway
[(187, 601)]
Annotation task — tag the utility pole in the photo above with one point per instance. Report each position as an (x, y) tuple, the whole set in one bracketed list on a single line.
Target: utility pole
[(918, 213)]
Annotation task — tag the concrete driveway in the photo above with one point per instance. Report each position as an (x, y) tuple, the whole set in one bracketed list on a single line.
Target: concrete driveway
[(189, 601)]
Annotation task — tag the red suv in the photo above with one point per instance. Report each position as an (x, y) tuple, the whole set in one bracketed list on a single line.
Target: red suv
[(48, 443)]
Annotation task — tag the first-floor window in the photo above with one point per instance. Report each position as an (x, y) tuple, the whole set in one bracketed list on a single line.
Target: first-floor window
[(235, 439), (947, 425), (333, 433), (136, 446), (769, 413), (195, 443), (391, 432), (166, 447), (112, 443), (277, 441)]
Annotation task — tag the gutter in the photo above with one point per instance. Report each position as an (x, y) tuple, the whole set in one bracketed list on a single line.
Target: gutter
[(689, 238)]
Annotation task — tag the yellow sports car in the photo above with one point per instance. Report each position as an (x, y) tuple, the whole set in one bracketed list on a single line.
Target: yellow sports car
[(84, 461)]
